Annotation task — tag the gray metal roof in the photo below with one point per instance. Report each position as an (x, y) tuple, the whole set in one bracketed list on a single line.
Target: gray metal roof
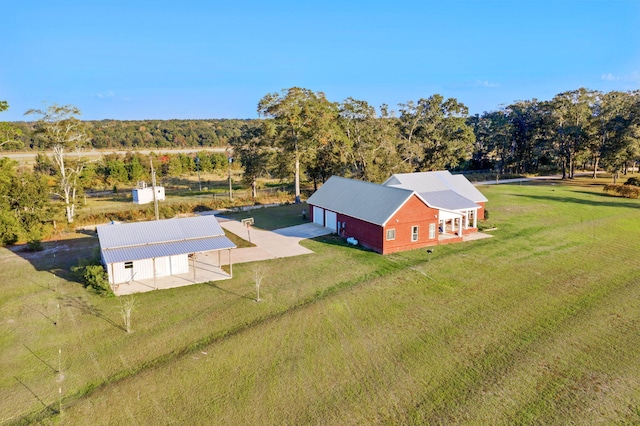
[(124, 242), (158, 231), (448, 200), (363, 200), (129, 254), (425, 182)]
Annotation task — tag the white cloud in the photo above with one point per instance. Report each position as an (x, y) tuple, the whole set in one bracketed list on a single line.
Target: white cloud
[(473, 84), (633, 77), (107, 94)]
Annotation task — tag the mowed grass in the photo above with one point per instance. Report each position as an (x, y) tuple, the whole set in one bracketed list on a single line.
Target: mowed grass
[(537, 325)]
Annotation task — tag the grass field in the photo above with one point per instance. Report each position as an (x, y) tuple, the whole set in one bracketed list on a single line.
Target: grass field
[(538, 325)]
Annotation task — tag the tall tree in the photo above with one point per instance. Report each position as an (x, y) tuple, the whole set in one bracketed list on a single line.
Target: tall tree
[(435, 133), (623, 142), (373, 140), (253, 150), (62, 131), (9, 135), (572, 114), (24, 199), (301, 121)]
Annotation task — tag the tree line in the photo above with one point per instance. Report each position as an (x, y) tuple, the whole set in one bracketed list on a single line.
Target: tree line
[(134, 134), (302, 134), (305, 133)]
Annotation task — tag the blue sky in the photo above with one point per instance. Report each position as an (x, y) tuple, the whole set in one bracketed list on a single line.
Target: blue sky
[(209, 59)]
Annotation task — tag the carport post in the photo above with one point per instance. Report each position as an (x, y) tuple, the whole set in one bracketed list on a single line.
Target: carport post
[(194, 267), (230, 264), (154, 274)]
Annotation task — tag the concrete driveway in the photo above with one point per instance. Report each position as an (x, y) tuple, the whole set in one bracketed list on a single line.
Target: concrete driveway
[(283, 242)]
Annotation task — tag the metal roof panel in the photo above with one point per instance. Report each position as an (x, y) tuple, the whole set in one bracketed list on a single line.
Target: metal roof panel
[(158, 231), (363, 200), (150, 251)]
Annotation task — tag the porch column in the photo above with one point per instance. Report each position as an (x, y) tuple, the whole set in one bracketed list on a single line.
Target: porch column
[(475, 218)]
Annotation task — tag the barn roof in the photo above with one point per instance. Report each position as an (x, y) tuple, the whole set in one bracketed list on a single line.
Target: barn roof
[(362, 200), (122, 242), (425, 182)]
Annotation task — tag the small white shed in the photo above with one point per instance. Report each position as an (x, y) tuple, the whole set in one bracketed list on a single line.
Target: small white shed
[(150, 250), (144, 194)]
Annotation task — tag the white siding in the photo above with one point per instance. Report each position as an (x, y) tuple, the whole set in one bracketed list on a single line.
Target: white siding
[(145, 195), (331, 220), (143, 269), (179, 264), (318, 215)]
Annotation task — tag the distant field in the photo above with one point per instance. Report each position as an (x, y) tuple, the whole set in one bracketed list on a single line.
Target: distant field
[(538, 325), (29, 157)]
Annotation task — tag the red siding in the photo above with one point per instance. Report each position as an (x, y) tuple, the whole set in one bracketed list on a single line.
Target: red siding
[(413, 213), (368, 234), (481, 211)]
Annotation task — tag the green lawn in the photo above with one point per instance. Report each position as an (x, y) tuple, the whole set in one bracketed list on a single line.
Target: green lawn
[(538, 325)]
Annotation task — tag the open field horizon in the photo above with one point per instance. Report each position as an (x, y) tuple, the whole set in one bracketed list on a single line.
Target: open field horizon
[(537, 325)]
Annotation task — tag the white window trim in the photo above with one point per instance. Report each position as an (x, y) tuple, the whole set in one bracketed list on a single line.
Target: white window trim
[(415, 236), (394, 234)]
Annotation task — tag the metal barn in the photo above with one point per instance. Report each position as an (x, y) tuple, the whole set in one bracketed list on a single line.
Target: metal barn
[(135, 252)]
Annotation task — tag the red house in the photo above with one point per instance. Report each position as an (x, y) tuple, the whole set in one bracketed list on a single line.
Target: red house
[(383, 218), (460, 203)]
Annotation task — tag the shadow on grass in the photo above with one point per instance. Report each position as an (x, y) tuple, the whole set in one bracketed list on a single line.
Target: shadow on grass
[(335, 240), (575, 200), (59, 256), (217, 287), (87, 308)]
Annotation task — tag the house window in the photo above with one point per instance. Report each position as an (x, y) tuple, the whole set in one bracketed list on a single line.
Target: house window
[(391, 234), (414, 233), (432, 231), (128, 265)]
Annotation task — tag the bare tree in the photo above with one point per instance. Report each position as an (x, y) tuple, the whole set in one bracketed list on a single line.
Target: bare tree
[(127, 304), (259, 276), (63, 132)]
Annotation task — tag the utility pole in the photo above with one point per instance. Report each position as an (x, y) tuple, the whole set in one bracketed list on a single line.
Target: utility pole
[(230, 187), (198, 167), (153, 187)]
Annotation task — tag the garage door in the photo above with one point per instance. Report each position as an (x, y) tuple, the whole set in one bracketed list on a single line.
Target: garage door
[(331, 220), (318, 215)]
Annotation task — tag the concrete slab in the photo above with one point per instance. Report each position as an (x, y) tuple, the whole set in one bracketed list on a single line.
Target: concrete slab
[(207, 269), (271, 244), (475, 236)]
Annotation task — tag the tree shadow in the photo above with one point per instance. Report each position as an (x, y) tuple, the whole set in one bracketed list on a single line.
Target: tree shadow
[(59, 256), (583, 201), (336, 240), (216, 286), (86, 307)]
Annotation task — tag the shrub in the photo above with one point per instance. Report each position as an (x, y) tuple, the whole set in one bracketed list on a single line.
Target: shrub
[(34, 245), (627, 191), (633, 181), (93, 275)]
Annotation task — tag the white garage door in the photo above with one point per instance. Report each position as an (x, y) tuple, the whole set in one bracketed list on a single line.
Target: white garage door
[(331, 220), (318, 215)]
